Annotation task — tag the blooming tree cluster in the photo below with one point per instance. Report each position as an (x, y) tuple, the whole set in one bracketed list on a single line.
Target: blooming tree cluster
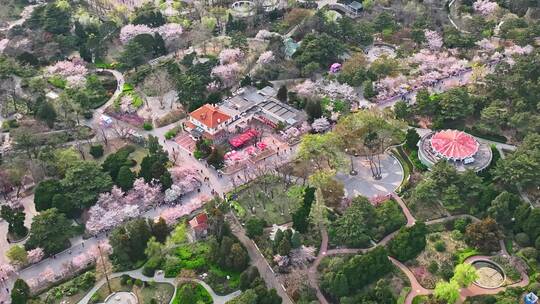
[(228, 56), (74, 71), (131, 31), (266, 57), (290, 134), (35, 255), (433, 39), (116, 206), (171, 215), (430, 67), (328, 88), (485, 7), (320, 125), (227, 73), (90, 257), (184, 180), (169, 32), (265, 35)]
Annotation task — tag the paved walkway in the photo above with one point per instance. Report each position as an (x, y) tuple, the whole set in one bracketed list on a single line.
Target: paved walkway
[(137, 274), (416, 288), (258, 260), (364, 184)]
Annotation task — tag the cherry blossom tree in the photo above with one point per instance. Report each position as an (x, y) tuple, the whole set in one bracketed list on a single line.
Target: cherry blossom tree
[(265, 35), (320, 125), (73, 71), (266, 57), (170, 31), (47, 274), (485, 7), (433, 39), (171, 215), (228, 56), (144, 194), (131, 31), (228, 73), (116, 206), (290, 134), (306, 88), (35, 255), (6, 270)]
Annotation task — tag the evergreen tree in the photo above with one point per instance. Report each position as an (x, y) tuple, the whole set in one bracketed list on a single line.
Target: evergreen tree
[(125, 178), (159, 46), (15, 219), (411, 139), (282, 93), (20, 294), (44, 193), (46, 113)]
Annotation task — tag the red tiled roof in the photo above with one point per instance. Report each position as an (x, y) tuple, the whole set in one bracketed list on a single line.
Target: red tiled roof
[(209, 115), (454, 144), (199, 222)]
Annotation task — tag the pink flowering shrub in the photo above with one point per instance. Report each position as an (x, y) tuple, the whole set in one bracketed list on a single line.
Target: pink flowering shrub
[(485, 7), (228, 56), (266, 57), (320, 125), (35, 255)]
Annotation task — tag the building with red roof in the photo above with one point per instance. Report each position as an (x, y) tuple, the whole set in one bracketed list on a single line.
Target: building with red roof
[(199, 226), (462, 150), (209, 122)]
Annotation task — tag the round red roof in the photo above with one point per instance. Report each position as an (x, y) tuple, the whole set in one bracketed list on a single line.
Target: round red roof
[(454, 144)]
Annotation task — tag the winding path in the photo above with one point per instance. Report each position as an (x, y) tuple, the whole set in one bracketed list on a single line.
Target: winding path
[(416, 288), (258, 260), (161, 279)]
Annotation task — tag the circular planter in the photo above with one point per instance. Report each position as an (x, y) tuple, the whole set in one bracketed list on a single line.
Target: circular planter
[(490, 274)]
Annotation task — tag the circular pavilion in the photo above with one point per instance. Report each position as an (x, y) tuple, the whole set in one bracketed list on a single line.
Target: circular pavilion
[(462, 150)]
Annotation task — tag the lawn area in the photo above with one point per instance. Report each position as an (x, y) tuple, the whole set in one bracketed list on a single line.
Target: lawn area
[(146, 290), (266, 198), (191, 292), (192, 257), (436, 262)]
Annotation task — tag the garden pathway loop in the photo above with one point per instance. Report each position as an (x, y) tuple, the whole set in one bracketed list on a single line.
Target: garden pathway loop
[(416, 288), (137, 274)]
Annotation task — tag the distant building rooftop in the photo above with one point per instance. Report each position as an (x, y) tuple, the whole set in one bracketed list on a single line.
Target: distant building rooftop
[(209, 115)]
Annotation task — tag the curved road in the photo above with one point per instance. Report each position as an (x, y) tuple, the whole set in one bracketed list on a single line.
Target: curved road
[(161, 279)]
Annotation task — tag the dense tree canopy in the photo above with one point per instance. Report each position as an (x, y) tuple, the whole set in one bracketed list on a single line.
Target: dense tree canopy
[(51, 231)]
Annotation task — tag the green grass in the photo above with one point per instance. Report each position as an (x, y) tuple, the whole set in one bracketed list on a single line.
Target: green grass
[(266, 198), (191, 292), (406, 164), (148, 292), (127, 87), (58, 82), (464, 254)]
